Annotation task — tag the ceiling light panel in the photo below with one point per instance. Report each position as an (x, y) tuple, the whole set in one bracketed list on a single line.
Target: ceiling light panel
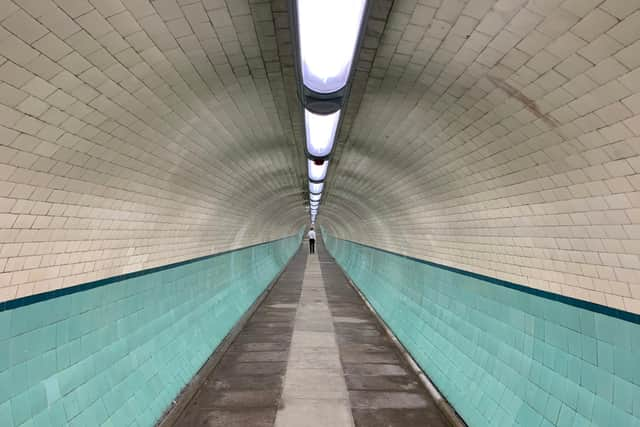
[(316, 187), (321, 132), (317, 172), (328, 32)]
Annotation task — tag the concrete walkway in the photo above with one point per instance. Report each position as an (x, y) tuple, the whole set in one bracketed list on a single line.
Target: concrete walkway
[(315, 392), (312, 355)]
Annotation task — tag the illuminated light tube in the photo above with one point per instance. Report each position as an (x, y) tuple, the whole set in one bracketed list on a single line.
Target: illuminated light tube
[(316, 187), (321, 132), (315, 197), (328, 32), (317, 172)]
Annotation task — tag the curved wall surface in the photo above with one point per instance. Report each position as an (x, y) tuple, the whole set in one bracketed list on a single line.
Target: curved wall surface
[(117, 352), (502, 354), (136, 134), (499, 137)]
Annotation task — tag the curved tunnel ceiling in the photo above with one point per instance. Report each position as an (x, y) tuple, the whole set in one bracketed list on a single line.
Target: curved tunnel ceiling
[(498, 136)]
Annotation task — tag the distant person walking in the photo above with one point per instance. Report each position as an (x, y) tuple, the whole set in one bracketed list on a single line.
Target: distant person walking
[(312, 241)]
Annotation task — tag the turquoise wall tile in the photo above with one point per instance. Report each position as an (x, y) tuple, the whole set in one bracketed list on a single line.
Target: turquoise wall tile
[(5, 325), (5, 414), (21, 408), (542, 360), (117, 352)]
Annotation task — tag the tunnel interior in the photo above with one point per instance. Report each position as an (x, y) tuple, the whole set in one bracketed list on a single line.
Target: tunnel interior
[(482, 196)]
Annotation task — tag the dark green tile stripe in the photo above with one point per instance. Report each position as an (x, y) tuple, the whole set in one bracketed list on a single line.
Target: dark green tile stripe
[(587, 305), (19, 302)]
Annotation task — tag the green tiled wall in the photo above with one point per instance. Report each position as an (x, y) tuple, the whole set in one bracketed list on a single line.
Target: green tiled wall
[(117, 352), (500, 354)]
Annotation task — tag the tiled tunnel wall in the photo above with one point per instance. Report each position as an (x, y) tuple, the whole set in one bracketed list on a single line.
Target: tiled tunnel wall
[(137, 133), (501, 137), (117, 352), (504, 355)]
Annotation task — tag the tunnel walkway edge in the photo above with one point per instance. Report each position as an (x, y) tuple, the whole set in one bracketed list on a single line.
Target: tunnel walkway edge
[(447, 409), (186, 395)]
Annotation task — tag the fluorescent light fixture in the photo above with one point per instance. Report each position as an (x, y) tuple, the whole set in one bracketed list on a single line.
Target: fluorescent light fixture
[(316, 187), (321, 132), (328, 33), (315, 197), (317, 172)]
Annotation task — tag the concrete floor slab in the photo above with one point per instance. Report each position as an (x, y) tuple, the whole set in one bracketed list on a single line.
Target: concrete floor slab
[(245, 382), (262, 356), (374, 369), (369, 357), (255, 368), (314, 413), (396, 417), (386, 382), (260, 417), (313, 339), (339, 319), (254, 346), (315, 384), (209, 398), (367, 399)]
